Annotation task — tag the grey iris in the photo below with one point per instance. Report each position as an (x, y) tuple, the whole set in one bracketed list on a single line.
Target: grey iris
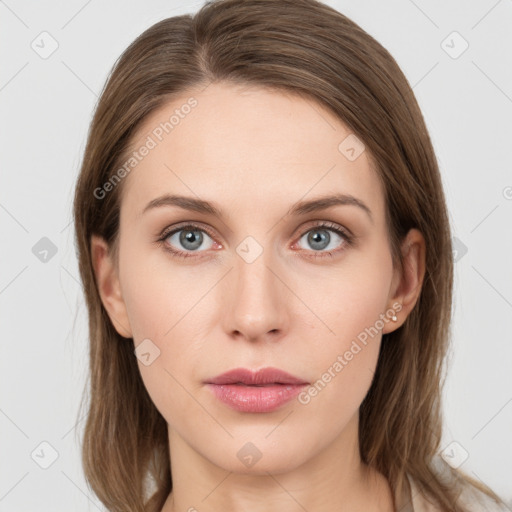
[(319, 237), (193, 237)]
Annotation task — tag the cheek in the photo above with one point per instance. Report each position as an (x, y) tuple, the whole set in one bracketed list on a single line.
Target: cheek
[(352, 301), (169, 319), (155, 294), (348, 300)]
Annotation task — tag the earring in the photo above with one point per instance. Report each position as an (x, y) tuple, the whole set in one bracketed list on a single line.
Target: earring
[(394, 318)]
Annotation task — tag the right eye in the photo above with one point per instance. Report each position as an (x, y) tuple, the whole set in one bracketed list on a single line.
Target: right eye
[(188, 239)]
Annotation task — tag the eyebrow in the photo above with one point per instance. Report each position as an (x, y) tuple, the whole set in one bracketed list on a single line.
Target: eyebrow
[(299, 208)]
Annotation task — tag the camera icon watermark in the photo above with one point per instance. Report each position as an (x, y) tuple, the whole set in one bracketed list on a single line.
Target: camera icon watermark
[(455, 454), (44, 455), (454, 45), (351, 147), (249, 249), (44, 45), (249, 454), (459, 249), (147, 352), (44, 250)]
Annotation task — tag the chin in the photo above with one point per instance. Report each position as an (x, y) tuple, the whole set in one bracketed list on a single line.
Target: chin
[(260, 456)]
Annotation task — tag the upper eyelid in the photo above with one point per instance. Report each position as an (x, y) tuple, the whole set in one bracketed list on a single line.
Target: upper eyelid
[(168, 231)]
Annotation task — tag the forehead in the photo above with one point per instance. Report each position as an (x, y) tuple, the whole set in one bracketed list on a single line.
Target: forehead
[(248, 147)]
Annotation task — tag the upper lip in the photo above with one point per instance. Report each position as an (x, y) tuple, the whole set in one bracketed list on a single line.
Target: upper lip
[(253, 378)]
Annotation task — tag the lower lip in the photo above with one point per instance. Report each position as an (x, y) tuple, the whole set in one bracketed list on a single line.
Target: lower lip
[(255, 398)]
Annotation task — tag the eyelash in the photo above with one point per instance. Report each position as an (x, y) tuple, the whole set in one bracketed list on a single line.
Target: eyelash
[(348, 239)]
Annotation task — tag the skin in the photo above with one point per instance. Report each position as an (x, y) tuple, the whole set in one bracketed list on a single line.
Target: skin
[(254, 153)]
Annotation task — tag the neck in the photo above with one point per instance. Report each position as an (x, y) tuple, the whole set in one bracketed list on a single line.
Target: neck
[(333, 480)]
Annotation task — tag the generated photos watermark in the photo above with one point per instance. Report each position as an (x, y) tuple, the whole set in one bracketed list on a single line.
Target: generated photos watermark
[(344, 359), (152, 140)]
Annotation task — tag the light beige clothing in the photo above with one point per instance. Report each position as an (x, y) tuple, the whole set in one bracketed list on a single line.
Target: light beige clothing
[(472, 499)]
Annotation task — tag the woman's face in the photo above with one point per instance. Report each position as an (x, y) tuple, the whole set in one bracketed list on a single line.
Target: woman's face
[(268, 282)]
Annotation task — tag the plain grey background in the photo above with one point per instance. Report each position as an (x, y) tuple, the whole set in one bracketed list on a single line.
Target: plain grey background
[(55, 57)]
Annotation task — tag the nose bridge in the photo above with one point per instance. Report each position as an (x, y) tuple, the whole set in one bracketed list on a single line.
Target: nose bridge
[(257, 302)]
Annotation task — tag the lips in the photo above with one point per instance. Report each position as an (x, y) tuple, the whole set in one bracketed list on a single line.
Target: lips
[(247, 391), (264, 377)]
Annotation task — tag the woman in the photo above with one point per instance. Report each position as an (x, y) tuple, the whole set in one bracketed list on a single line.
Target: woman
[(266, 256)]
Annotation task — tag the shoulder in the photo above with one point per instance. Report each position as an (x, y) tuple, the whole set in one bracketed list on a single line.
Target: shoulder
[(471, 499)]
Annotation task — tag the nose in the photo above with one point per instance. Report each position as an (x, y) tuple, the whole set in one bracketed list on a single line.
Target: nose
[(257, 299)]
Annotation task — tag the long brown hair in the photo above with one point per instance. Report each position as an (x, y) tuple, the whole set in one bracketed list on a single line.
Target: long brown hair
[(308, 48)]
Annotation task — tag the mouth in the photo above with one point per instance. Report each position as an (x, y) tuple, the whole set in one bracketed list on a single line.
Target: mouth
[(255, 392)]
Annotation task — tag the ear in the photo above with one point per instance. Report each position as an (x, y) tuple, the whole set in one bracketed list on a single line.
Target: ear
[(406, 286), (109, 287)]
